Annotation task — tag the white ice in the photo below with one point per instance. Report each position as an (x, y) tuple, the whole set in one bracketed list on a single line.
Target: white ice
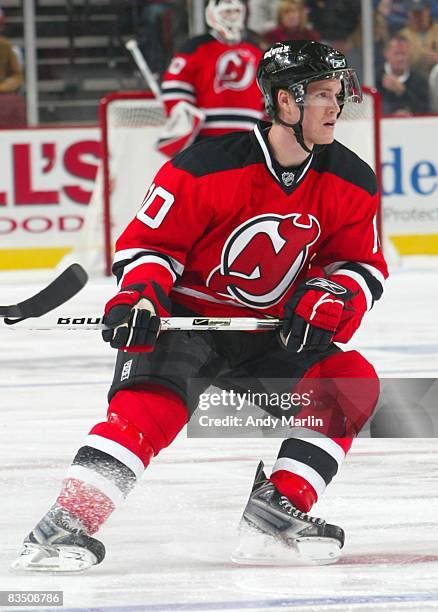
[(168, 546)]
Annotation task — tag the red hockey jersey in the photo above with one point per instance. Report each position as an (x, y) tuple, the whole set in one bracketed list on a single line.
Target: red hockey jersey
[(229, 232), (218, 78)]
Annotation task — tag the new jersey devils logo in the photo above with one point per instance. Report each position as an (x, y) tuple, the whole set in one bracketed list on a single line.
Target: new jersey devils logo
[(262, 258), (235, 69)]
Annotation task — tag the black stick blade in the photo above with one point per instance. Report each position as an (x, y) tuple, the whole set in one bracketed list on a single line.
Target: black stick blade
[(60, 290)]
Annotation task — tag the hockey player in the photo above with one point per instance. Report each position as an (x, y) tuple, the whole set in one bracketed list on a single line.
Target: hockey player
[(210, 86), (279, 222)]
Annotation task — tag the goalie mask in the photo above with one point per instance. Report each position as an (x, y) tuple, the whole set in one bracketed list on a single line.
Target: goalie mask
[(226, 18), (292, 65)]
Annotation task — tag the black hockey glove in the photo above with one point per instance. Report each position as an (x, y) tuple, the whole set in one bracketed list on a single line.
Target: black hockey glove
[(134, 317), (312, 315)]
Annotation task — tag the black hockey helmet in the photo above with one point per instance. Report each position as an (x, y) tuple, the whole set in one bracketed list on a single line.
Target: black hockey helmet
[(292, 65)]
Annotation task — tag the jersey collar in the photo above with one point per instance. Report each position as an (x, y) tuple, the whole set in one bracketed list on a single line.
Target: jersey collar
[(287, 178)]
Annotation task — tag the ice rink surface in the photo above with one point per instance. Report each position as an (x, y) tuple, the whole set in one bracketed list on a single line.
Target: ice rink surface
[(168, 546)]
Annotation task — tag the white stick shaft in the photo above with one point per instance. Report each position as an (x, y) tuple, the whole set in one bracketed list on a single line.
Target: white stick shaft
[(217, 323), (142, 65), (168, 324)]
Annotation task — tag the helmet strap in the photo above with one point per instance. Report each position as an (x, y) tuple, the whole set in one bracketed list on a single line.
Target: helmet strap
[(297, 130)]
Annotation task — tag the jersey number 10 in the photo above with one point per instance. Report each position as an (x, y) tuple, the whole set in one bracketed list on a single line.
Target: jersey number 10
[(155, 206)]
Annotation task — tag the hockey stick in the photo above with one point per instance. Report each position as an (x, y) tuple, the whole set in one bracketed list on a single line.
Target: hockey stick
[(64, 287), (132, 46), (167, 324)]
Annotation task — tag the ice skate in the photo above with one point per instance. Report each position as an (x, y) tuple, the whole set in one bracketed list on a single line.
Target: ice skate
[(58, 543), (273, 531)]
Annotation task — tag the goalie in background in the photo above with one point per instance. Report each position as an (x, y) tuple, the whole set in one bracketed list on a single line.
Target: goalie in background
[(210, 86)]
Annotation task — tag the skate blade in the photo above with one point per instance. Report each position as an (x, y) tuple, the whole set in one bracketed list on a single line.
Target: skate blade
[(67, 559), (258, 548)]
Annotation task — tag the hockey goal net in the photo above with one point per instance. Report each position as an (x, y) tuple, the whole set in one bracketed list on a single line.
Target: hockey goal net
[(131, 123)]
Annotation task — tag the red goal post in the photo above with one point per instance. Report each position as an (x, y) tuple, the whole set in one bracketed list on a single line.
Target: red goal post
[(130, 125), (126, 111)]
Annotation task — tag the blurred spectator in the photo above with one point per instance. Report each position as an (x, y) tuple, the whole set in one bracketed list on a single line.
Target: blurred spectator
[(335, 20), (12, 107), (156, 24), (292, 24), (404, 91), (17, 50), (422, 34), (210, 86), (394, 13), (355, 51), (262, 15), (434, 8)]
